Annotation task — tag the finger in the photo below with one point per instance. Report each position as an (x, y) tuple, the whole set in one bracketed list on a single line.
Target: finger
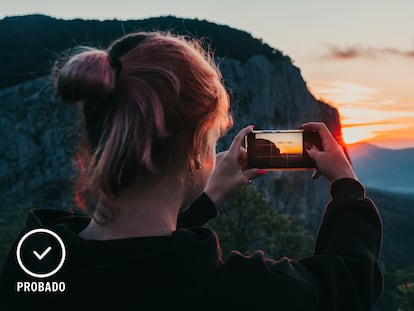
[(242, 154), (316, 174), (243, 159), (323, 131), (238, 141), (253, 173), (220, 156), (312, 151)]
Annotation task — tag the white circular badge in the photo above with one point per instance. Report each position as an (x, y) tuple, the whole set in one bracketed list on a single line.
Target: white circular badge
[(40, 254)]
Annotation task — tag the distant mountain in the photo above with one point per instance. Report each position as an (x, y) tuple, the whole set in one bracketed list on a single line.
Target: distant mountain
[(386, 169), (389, 177)]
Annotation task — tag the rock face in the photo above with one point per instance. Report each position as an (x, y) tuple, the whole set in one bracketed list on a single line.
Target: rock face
[(39, 134), (273, 95)]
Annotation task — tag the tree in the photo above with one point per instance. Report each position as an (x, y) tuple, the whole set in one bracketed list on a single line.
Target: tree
[(404, 278), (248, 222)]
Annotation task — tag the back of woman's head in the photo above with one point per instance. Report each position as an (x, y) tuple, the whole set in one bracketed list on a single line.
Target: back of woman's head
[(149, 102)]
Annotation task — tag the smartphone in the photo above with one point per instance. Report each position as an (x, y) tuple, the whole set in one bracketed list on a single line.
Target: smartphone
[(280, 149)]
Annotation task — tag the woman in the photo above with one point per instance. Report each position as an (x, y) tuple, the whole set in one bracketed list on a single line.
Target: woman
[(154, 107)]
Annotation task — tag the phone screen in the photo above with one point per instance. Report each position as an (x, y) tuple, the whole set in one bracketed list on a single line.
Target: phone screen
[(271, 149)]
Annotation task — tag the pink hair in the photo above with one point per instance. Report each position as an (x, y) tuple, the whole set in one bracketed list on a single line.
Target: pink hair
[(152, 115)]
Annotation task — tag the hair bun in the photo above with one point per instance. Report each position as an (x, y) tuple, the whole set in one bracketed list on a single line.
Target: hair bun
[(85, 76)]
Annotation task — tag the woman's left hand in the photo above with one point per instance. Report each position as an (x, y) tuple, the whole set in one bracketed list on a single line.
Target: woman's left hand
[(231, 173)]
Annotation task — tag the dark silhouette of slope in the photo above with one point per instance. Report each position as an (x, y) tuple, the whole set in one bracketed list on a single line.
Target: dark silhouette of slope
[(30, 44), (397, 211)]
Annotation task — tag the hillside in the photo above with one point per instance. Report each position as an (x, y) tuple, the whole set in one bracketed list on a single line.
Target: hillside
[(397, 211), (30, 44)]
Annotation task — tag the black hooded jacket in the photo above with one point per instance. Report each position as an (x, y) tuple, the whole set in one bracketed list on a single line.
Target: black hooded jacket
[(185, 271)]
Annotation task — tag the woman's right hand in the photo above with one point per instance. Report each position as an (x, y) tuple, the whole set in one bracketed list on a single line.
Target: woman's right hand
[(231, 172), (331, 161)]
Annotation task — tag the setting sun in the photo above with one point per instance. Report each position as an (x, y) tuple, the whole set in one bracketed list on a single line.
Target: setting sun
[(356, 134)]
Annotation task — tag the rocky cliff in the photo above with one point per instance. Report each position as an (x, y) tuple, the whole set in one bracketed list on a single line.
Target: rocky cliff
[(39, 134), (273, 94)]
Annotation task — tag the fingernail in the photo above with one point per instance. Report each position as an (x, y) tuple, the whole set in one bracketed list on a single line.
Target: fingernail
[(316, 174), (261, 172), (308, 145)]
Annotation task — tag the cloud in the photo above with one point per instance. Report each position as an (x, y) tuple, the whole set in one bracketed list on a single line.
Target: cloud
[(340, 92), (350, 52), (359, 51)]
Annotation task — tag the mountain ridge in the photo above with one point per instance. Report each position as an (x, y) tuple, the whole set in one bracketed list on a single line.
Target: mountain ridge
[(382, 168), (29, 56), (367, 145)]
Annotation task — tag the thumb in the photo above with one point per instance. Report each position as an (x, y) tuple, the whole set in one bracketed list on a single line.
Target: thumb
[(253, 173)]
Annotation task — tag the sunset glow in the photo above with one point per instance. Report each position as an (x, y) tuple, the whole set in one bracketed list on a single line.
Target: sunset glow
[(356, 134), (367, 114)]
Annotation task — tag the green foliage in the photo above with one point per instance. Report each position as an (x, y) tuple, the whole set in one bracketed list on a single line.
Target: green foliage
[(406, 298), (404, 280), (398, 290), (248, 222)]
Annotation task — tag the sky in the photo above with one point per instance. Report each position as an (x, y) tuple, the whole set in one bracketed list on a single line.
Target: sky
[(356, 55)]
